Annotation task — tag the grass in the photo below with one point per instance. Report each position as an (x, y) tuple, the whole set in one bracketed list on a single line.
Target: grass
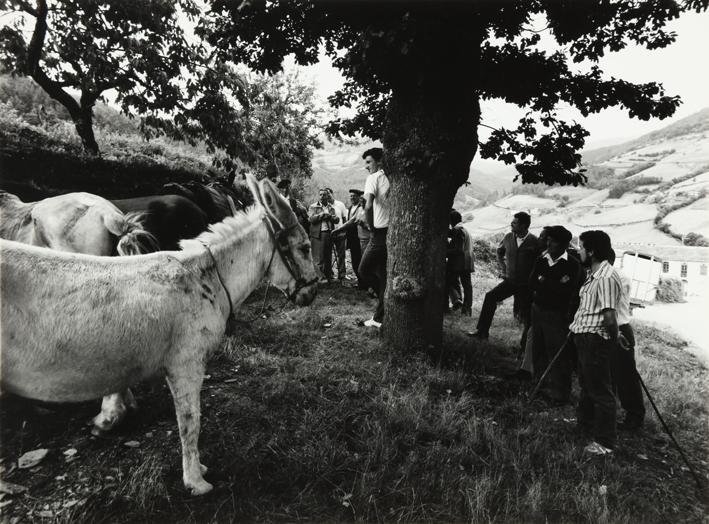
[(305, 422)]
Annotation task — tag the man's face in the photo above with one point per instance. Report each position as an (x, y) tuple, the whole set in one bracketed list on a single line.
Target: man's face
[(323, 196), (555, 248), (515, 226), (283, 190), (371, 165), (354, 198)]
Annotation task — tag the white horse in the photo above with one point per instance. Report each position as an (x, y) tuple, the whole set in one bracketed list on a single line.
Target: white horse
[(74, 222), (79, 223), (77, 327)]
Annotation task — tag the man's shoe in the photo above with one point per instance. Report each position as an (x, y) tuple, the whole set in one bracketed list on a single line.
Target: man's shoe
[(478, 334), (594, 448), (372, 323), (457, 306), (466, 312), (630, 425)]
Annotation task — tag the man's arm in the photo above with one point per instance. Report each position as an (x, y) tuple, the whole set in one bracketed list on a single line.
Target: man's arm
[(501, 257), (314, 217), (610, 322), (369, 210)]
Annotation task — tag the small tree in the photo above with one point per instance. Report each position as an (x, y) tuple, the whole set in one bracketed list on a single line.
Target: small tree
[(139, 51)]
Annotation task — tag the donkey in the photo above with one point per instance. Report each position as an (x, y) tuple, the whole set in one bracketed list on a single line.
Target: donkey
[(77, 327)]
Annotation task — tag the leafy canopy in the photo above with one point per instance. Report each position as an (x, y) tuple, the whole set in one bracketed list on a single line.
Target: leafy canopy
[(389, 46)]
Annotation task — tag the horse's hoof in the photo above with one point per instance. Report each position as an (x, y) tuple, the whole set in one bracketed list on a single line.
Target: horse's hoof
[(199, 488)]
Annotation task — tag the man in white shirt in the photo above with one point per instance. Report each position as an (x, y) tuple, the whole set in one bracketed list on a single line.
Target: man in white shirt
[(372, 268)]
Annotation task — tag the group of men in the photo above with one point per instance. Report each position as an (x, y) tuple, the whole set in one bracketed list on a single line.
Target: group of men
[(361, 229), (574, 305), (575, 310)]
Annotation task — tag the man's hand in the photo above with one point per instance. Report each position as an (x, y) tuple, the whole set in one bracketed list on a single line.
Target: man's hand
[(623, 342)]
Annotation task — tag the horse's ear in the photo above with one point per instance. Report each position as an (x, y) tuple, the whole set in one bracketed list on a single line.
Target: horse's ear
[(276, 206), (254, 188)]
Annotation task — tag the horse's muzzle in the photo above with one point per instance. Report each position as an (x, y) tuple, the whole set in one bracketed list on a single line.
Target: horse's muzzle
[(306, 295)]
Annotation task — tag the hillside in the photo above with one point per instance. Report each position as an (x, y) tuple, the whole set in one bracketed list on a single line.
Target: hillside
[(651, 190)]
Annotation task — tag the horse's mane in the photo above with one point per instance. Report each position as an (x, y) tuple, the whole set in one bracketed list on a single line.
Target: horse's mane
[(229, 229)]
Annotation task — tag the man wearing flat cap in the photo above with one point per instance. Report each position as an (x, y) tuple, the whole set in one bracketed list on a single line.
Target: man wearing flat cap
[(554, 282), (355, 221), (301, 213)]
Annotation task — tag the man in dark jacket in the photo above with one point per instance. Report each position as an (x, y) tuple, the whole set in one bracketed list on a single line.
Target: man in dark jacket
[(459, 265), (515, 255), (554, 282)]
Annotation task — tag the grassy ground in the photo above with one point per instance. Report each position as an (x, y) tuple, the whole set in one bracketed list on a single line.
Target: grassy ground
[(306, 416)]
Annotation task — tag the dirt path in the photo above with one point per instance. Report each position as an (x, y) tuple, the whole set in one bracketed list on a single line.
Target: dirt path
[(689, 320)]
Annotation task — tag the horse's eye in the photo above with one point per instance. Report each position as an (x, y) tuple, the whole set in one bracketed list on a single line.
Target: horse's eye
[(305, 250)]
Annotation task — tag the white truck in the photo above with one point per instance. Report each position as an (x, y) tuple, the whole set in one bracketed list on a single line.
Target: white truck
[(644, 271)]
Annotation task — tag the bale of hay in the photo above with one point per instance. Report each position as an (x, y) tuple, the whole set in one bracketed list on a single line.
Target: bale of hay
[(670, 290)]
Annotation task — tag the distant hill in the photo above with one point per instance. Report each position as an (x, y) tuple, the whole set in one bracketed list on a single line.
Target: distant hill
[(650, 190), (695, 123)]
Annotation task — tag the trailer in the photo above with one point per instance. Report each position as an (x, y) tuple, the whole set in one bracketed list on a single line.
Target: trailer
[(644, 272)]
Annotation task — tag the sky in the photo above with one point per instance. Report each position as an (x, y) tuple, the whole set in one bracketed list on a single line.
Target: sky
[(678, 67)]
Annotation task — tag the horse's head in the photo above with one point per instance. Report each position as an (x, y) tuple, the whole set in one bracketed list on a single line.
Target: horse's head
[(291, 268)]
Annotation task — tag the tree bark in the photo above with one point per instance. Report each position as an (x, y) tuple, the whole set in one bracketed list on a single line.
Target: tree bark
[(84, 124), (430, 139)]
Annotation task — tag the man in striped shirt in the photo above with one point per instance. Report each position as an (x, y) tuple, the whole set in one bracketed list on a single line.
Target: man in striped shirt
[(595, 333)]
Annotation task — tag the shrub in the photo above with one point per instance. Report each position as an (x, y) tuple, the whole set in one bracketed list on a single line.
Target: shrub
[(695, 239), (620, 188), (670, 290)]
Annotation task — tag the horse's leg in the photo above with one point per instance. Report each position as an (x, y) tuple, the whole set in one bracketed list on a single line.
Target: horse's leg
[(113, 411), (185, 382)]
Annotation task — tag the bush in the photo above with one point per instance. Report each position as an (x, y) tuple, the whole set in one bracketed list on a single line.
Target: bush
[(695, 239), (670, 290), (622, 187)]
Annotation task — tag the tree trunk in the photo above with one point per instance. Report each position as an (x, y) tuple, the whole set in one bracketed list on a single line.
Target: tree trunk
[(83, 122), (429, 141)]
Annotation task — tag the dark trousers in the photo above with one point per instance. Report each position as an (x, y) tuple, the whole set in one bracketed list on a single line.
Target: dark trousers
[(373, 267), (549, 331), (500, 292), (454, 281), (322, 252), (596, 409), (625, 379), (355, 248), (339, 244)]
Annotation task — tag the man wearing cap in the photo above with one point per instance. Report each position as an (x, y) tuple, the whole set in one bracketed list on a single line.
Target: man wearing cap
[(554, 282), (298, 208), (323, 218)]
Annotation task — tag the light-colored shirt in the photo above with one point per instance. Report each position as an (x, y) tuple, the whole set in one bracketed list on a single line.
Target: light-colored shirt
[(601, 291), (377, 185), (340, 210), (521, 239), (552, 261), (623, 311)]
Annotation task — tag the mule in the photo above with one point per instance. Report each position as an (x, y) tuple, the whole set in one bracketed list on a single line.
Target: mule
[(117, 320), (74, 222), (79, 223)]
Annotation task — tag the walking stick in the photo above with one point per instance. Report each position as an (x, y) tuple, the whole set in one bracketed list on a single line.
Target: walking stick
[(546, 371), (667, 430)]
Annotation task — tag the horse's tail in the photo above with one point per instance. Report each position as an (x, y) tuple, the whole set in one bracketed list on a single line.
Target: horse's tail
[(134, 239)]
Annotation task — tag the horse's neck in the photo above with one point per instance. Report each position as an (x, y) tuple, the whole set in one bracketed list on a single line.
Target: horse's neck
[(243, 262)]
